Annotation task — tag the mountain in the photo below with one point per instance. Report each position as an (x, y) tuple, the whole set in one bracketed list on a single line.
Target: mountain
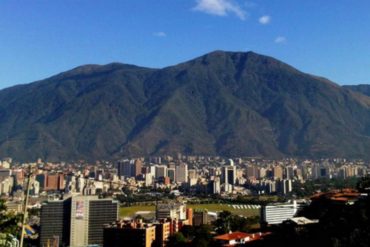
[(361, 88), (224, 103)]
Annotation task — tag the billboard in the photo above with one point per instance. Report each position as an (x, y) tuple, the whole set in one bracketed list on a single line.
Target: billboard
[(79, 210)]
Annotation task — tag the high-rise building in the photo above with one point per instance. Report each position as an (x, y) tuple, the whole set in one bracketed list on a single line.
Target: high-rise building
[(278, 172), (182, 173), (54, 182), (88, 215), (214, 186), (171, 172), (129, 234), (124, 168), (160, 171), (162, 233), (228, 176), (200, 217), (41, 178), (55, 218), (138, 164), (171, 210), (189, 215), (4, 174), (284, 186)]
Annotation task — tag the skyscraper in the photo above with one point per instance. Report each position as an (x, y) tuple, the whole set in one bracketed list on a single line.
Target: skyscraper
[(124, 168), (160, 171), (88, 216), (138, 164), (182, 173), (228, 176), (55, 221)]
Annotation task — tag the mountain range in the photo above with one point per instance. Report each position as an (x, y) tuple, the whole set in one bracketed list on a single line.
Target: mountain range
[(223, 103)]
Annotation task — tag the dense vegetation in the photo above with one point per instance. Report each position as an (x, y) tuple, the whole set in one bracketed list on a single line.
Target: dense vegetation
[(9, 222), (224, 103), (202, 236), (340, 225)]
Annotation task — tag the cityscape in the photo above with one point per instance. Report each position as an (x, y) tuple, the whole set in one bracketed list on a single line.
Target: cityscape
[(146, 201), (197, 123)]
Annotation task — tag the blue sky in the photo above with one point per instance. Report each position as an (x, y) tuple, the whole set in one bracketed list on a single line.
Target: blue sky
[(39, 38)]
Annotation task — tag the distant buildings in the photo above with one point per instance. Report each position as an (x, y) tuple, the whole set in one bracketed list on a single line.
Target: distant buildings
[(129, 168)]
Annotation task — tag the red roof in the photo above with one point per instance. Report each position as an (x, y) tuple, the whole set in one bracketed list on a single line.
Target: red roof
[(241, 235), (233, 235)]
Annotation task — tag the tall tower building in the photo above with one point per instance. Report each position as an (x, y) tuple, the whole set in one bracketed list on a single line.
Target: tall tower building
[(88, 215), (278, 173), (124, 168), (182, 173), (228, 177), (171, 172), (55, 222), (160, 171), (138, 164)]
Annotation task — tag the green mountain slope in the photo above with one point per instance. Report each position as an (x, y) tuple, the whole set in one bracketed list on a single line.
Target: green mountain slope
[(225, 103)]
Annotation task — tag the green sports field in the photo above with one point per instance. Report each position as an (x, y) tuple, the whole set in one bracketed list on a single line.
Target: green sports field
[(130, 211)]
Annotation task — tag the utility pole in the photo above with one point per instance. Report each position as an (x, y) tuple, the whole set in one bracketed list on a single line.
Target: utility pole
[(25, 205)]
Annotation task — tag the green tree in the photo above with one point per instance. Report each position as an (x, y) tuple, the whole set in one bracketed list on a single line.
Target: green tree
[(9, 222), (223, 222), (177, 240)]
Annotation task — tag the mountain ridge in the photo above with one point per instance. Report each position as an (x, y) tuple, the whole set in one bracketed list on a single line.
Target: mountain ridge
[(221, 103)]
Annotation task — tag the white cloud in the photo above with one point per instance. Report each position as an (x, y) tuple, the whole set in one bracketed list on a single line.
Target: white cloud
[(280, 40), (160, 34), (265, 19), (220, 8)]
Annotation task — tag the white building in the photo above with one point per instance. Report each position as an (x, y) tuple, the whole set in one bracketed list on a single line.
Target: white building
[(279, 212), (171, 210)]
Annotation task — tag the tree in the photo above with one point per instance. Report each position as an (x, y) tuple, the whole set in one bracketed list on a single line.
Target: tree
[(9, 222), (177, 240), (222, 224)]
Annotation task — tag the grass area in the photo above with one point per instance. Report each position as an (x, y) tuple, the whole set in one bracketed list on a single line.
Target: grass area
[(130, 211)]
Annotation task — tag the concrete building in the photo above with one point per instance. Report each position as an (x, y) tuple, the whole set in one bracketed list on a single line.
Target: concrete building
[(124, 168), (278, 172), (54, 182), (55, 222), (214, 186), (129, 234), (228, 176), (200, 217), (162, 233), (172, 210), (88, 215), (171, 172), (279, 212), (182, 173), (138, 164), (160, 171)]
